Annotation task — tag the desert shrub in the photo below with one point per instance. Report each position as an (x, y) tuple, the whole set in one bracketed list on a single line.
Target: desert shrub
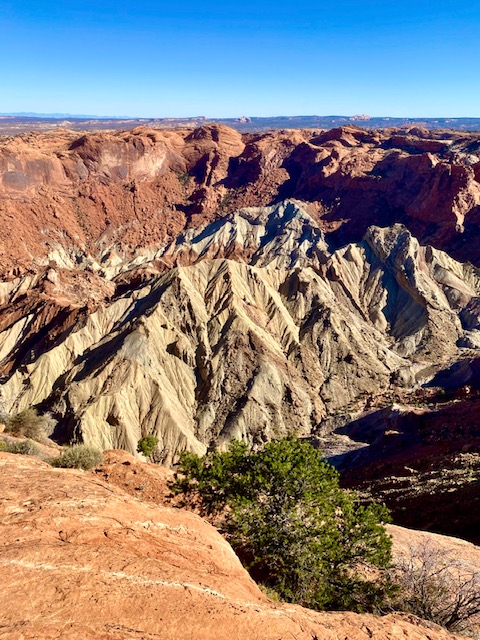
[(435, 585), (147, 445), (270, 593), (183, 178), (49, 424), (78, 456), (296, 530), (24, 447), (29, 424)]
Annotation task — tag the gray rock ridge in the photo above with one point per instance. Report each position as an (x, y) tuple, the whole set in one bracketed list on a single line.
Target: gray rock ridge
[(282, 235), (253, 331)]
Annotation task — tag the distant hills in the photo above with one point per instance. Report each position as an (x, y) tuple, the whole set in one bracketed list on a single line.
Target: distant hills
[(49, 116), (28, 121)]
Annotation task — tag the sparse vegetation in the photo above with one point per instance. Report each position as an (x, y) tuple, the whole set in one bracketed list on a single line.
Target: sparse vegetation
[(29, 424), (184, 178), (23, 447), (147, 445), (78, 456), (296, 530), (270, 593), (434, 585), (226, 201)]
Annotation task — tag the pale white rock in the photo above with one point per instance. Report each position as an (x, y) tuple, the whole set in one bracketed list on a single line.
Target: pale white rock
[(257, 332)]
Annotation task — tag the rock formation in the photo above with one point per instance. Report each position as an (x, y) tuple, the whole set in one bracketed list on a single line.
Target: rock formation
[(421, 458), (206, 285), (263, 333), (190, 284), (82, 559), (66, 196)]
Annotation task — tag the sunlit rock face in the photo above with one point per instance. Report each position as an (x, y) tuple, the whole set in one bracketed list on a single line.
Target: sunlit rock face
[(249, 327), (99, 563), (111, 196), (204, 285)]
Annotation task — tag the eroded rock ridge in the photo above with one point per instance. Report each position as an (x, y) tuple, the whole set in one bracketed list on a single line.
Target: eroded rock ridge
[(250, 326)]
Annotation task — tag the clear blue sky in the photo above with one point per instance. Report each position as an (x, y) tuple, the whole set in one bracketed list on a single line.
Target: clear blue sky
[(222, 59)]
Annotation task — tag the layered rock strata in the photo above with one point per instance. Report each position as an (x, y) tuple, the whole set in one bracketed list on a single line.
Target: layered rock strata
[(249, 327), (66, 196)]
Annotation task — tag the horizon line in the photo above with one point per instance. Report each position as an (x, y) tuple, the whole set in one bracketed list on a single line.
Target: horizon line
[(361, 117)]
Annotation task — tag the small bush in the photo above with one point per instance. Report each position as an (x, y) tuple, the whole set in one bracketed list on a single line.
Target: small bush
[(78, 456), (28, 424), (49, 424), (147, 445), (25, 448), (295, 529), (435, 585), (270, 593), (184, 178)]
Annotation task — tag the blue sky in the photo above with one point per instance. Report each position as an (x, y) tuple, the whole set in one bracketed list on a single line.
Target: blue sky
[(225, 59)]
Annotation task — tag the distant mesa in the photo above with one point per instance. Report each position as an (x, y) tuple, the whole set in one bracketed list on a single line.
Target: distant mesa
[(15, 123)]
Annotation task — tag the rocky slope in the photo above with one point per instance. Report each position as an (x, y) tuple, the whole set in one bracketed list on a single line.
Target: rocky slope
[(263, 333), (422, 460), (69, 197), (97, 563), (147, 289)]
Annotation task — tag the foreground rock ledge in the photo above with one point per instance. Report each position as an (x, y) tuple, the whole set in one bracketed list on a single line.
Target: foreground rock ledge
[(82, 559)]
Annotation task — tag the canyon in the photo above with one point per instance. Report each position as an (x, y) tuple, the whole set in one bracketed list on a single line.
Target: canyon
[(203, 285), (114, 196)]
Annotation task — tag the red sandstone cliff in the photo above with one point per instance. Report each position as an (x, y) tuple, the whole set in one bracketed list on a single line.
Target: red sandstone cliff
[(123, 190)]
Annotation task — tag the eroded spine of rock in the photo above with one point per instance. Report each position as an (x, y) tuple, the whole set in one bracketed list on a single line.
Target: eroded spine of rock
[(251, 327)]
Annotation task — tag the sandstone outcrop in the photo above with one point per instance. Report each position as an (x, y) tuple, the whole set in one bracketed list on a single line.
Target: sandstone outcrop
[(64, 196), (82, 559)]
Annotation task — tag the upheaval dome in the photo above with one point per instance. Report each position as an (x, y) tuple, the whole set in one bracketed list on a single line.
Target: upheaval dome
[(203, 285)]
